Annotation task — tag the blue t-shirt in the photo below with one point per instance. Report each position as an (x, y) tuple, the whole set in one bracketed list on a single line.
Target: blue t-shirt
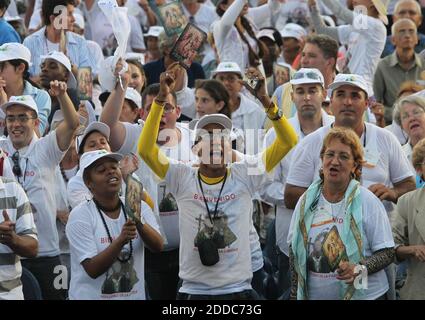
[(7, 33)]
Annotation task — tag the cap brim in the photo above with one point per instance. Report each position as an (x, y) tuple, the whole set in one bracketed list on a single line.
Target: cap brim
[(334, 86), (306, 81), (222, 120), (114, 156), (7, 104)]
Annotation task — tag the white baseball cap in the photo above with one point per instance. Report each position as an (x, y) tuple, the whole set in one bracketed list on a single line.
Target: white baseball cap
[(267, 33), (94, 126), (308, 76), (133, 95), (293, 30), (90, 157), (130, 94), (62, 59), (216, 118), (154, 31), (227, 67), (12, 51), (135, 56), (26, 101), (79, 20), (354, 80)]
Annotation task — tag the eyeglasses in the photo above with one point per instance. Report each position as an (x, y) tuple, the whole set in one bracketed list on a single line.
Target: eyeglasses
[(343, 157), (16, 167), (309, 75), (417, 113), (22, 118)]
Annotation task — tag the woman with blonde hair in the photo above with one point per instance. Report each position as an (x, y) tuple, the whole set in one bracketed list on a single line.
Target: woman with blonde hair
[(339, 230)]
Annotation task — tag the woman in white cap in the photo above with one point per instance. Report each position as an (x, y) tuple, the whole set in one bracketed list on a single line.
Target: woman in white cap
[(107, 240), (214, 199), (364, 35)]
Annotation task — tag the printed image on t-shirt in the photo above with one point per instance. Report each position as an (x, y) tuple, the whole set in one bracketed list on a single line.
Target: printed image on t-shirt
[(218, 230), (121, 276), (167, 201), (328, 251)]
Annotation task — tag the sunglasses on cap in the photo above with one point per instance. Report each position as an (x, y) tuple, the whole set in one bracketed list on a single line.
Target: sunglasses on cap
[(308, 75)]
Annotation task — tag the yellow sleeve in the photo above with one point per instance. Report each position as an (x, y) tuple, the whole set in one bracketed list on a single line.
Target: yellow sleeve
[(147, 198), (147, 147), (286, 139)]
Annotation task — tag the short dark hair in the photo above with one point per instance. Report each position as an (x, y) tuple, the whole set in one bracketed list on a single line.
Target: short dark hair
[(48, 8), (326, 44), (153, 90), (4, 4), (16, 62)]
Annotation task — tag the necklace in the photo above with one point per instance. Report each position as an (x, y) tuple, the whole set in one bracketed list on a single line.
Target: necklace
[(100, 207), (65, 178)]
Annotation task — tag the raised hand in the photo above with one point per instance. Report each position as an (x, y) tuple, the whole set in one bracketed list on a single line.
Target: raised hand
[(3, 95), (125, 77), (167, 81), (260, 92), (7, 230), (129, 164), (57, 88)]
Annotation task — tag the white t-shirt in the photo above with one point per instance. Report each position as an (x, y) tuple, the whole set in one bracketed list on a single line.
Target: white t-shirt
[(38, 163), (365, 45), (273, 192), (20, 213), (377, 235), (408, 151), (382, 150), (395, 129), (250, 118), (165, 205), (233, 272), (88, 238)]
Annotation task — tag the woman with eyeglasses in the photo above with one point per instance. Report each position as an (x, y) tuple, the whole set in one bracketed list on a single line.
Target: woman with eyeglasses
[(409, 114), (107, 239), (339, 230), (408, 225)]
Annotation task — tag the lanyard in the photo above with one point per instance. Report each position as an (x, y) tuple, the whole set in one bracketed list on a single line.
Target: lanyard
[(218, 198)]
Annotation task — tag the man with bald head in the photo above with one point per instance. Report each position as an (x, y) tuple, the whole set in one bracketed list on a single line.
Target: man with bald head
[(406, 9), (402, 65)]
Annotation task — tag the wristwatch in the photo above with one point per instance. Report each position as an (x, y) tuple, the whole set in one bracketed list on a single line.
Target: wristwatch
[(277, 116)]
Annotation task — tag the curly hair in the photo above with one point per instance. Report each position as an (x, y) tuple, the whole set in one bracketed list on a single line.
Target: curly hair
[(348, 137)]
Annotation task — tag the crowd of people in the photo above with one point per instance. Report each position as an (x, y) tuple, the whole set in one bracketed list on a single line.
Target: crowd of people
[(286, 161)]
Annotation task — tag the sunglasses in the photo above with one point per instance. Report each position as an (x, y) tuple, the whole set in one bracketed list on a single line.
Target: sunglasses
[(16, 168), (308, 75)]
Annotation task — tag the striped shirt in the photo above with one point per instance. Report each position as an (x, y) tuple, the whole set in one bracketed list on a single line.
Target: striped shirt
[(76, 47), (14, 200)]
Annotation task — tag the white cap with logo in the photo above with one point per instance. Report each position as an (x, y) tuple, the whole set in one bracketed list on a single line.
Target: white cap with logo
[(354, 80), (62, 59), (26, 101), (90, 157), (227, 67), (308, 76), (13, 51)]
